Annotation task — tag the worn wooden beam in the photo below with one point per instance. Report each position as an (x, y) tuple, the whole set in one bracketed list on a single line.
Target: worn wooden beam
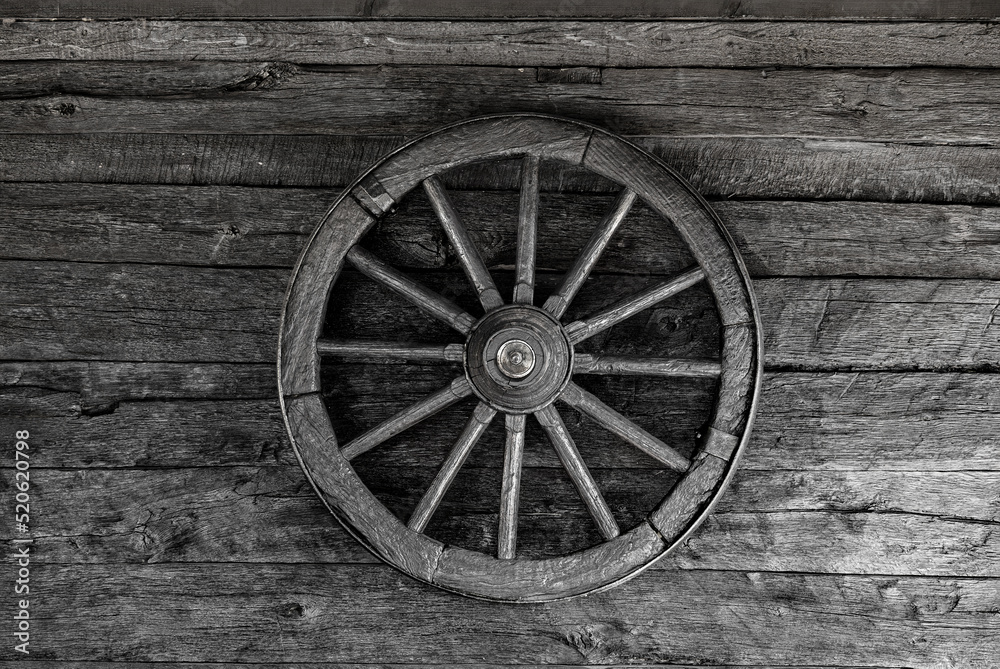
[(865, 422), (726, 167), (265, 227), (87, 664), (929, 523), (513, 43), (915, 104), (761, 9), (73, 312), (131, 312), (297, 613), (103, 383), (117, 9)]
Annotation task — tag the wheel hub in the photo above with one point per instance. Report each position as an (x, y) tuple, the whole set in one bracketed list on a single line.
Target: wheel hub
[(518, 359)]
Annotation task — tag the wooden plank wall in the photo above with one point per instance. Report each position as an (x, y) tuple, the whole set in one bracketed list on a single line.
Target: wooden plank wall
[(159, 176)]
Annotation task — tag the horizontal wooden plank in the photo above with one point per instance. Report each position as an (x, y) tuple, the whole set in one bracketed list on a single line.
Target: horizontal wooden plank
[(866, 422), (844, 543), (913, 104), (117, 9), (127, 312), (296, 613), (272, 515), (511, 43), (87, 664), (966, 9), (877, 421), (105, 431), (925, 325), (221, 226), (719, 167), (942, 9), (104, 383), (225, 226), (145, 313)]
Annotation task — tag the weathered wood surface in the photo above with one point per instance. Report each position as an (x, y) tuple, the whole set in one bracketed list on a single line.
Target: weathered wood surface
[(264, 227), (906, 523), (178, 454), (88, 664), (913, 104), (180, 314), (107, 382), (913, 620), (729, 167), (555, 44), (864, 422), (722, 9)]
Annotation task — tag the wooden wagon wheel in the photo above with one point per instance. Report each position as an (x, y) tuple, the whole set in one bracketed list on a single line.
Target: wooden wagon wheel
[(519, 359)]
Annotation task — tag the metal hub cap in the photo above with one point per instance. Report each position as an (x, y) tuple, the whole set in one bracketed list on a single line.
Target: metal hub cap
[(518, 358)]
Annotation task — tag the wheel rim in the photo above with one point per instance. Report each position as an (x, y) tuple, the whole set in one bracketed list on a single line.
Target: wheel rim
[(519, 359)]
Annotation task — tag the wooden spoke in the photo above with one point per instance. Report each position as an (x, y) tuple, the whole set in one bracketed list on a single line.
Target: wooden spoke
[(385, 350), (554, 427), (618, 424), (424, 298), (580, 330), (527, 232), (408, 417), (480, 420), (584, 363), (511, 489), (471, 261), (560, 300)]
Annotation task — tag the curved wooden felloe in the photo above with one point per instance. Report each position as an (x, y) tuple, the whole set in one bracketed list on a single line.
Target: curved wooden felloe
[(519, 358)]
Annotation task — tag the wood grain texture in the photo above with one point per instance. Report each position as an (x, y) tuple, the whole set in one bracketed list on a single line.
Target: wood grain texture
[(267, 227), (345, 495), (946, 9), (87, 664), (766, 9), (814, 324), (872, 468), (877, 423), (729, 167), (512, 43), (739, 384), (690, 215), (309, 290), (914, 331), (140, 312), (964, 9), (471, 141), (918, 622), (104, 383), (915, 104), (689, 498), (931, 523), (619, 558), (116, 9)]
